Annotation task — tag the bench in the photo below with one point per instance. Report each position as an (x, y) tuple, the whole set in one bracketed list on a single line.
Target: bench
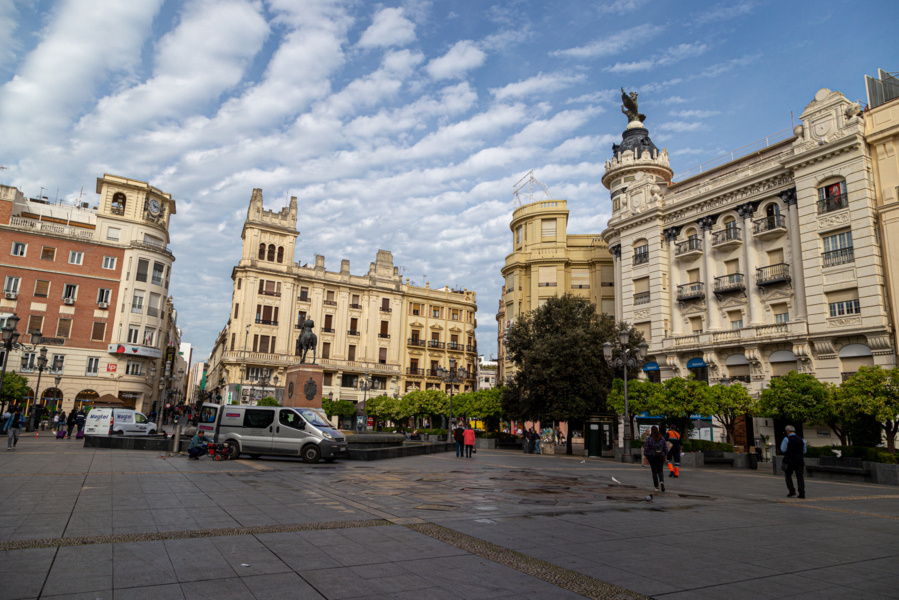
[(853, 467), (716, 457)]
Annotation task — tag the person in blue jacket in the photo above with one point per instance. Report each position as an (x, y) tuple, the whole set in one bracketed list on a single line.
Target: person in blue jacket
[(794, 449)]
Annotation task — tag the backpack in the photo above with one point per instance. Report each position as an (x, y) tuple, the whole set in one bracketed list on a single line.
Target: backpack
[(657, 448)]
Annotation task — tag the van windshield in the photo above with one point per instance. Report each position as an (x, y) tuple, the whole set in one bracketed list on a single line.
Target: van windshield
[(312, 417)]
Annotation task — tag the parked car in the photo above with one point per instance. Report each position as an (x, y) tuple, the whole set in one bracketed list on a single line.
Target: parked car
[(117, 421)]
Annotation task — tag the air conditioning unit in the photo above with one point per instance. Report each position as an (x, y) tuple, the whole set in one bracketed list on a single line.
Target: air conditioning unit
[(69, 301), (103, 304), (11, 295)]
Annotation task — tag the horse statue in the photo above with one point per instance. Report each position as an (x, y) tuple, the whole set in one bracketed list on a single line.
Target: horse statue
[(629, 107), (306, 340)]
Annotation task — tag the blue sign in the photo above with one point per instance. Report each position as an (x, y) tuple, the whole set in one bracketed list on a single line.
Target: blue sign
[(695, 363), (651, 366)]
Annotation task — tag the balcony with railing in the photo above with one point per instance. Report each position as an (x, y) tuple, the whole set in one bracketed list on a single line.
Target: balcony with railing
[(641, 298), (352, 332), (386, 309), (779, 273), (641, 258), (833, 203), (268, 293), (384, 336), (688, 249), (457, 346), (356, 306), (266, 322), (433, 373), (436, 344), (78, 233), (329, 302), (303, 298), (769, 227), (691, 291), (839, 257), (152, 312), (327, 330), (471, 348), (416, 342), (729, 237), (415, 372), (734, 282), (138, 310)]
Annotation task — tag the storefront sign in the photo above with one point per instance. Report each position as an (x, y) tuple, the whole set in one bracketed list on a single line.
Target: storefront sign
[(111, 367), (134, 350)]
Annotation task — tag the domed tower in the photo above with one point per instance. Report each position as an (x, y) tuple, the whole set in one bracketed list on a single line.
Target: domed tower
[(638, 173)]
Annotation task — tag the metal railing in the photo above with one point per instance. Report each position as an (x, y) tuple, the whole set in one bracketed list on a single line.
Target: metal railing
[(773, 273), (691, 245), (688, 291), (455, 346), (352, 332), (436, 344), (726, 283), (303, 298), (138, 310), (416, 342), (386, 309), (547, 284), (152, 312), (266, 322), (357, 306), (267, 293), (384, 335), (327, 330), (641, 258), (415, 371), (728, 234), (746, 150), (329, 302), (769, 223), (832, 203), (641, 298), (840, 256)]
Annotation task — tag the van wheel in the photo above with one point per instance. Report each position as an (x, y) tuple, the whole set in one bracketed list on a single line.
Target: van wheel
[(233, 449), (311, 454), (120, 432)]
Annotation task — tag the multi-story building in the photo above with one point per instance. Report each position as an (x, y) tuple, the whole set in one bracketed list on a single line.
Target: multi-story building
[(547, 261), (486, 373), (501, 336), (196, 382), (766, 262), (370, 325), (91, 285)]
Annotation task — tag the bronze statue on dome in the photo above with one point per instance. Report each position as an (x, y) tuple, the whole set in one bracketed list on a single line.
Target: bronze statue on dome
[(629, 107)]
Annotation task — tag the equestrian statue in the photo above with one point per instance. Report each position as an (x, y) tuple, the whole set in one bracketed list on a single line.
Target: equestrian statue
[(306, 340)]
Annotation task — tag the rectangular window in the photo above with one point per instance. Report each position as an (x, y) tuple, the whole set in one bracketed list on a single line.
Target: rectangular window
[(98, 332), (843, 302), (109, 262), (351, 353), (330, 297), (580, 279), (838, 241), (133, 334), (58, 363), (48, 253), (158, 274), (258, 419), (93, 366), (548, 229), (382, 356), (641, 254), (19, 249), (646, 330), (696, 324), (35, 324), (137, 302), (28, 360), (385, 304), (326, 350), (435, 312), (236, 310), (732, 266), (385, 325), (547, 277), (238, 283), (134, 368), (11, 286), (76, 258), (255, 342), (153, 309), (70, 291), (518, 235), (781, 313), (103, 295), (328, 379), (143, 266), (775, 257), (149, 336), (304, 294), (112, 234), (233, 339), (329, 322), (63, 328), (263, 344)]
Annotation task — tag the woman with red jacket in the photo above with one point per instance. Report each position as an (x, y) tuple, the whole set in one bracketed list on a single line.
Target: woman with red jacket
[(468, 437)]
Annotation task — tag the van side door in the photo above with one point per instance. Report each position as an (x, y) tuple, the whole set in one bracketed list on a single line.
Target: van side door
[(258, 429), (289, 435)]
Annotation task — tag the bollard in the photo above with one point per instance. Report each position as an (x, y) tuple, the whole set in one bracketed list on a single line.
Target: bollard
[(177, 447)]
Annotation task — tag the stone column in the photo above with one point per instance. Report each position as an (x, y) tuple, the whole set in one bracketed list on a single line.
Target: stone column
[(673, 280), (796, 267), (619, 291), (754, 315), (713, 319)]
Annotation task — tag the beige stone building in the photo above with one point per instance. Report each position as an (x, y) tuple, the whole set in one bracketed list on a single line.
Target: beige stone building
[(768, 261), (372, 324), (546, 261)]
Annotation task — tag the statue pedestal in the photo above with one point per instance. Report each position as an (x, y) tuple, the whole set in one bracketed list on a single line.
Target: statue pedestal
[(303, 386)]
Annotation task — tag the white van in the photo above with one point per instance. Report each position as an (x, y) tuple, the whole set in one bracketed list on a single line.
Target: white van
[(118, 421)]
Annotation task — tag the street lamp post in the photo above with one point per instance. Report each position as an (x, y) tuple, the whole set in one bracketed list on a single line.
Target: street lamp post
[(10, 338), (624, 361), (365, 385), (41, 366), (452, 377)]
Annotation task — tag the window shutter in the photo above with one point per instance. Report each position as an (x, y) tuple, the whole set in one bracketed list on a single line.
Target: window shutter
[(35, 324), (382, 355), (142, 266), (42, 288), (641, 286), (255, 342), (326, 350), (328, 321), (580, 278), (547, 276), (384, 326), (275, 315), (98, 332), (261, 285), (646, 330), (63, 328), (351, 355), (548, 229), (842, 295), (732, 266)]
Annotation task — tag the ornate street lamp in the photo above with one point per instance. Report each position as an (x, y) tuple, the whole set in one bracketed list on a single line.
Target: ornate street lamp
[(37, 405), (625, 360), (365, 385), (10, 339), (451, 377)]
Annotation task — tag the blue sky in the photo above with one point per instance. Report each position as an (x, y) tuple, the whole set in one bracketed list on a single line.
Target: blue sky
[(399, 125)]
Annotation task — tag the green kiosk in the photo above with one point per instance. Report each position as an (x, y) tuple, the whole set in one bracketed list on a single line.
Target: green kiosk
[(600, 432)]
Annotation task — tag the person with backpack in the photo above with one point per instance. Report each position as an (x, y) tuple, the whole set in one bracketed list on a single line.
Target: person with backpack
[(14, 427), (655, 449), (794, 449), (674, 450)]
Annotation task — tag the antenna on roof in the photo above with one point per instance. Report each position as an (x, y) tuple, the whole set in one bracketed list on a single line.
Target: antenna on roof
[(531, 182)]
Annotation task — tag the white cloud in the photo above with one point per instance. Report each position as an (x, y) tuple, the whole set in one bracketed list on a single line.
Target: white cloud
[(724, 67), (670, 56), (8, 25), (725, 12), (620, 7), (612, 44), (694, 114), (674, 100), (388, 28), (681, 126), (538, 84), (461, 58), (594, 97)]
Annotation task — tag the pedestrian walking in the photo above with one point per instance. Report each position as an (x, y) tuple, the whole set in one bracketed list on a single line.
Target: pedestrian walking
[(71, 423), (468, 437), (80, 420), (14, 428), (674, 450), (537, 439), (794, 449), (459, 438), (655, 449)]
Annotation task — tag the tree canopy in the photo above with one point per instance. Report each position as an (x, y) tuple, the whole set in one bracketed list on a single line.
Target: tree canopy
[(874, 391), (268, 401), (641, 397), (797, 397), (728, 403), (15, 387), (683, 398), (339, 408)]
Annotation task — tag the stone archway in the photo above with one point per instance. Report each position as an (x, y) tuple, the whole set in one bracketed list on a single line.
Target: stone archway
[(85, 398), (52, 398)]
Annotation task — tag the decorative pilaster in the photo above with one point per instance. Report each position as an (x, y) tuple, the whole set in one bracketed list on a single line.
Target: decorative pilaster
[(796, 267), (619, 290), (708, 274), (754, 315), (676, 320)]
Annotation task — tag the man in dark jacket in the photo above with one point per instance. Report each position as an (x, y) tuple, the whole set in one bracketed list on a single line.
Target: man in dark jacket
[(793, 448), (459, 438)]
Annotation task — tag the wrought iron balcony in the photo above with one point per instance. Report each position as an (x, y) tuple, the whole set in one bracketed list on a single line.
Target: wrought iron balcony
[(327, 330), (416, 342), (329, 302), (267, 293), (691, 291), (436, 344), (771, 226), (641, 298), (772, 274), (727, 238), (415, 371), (356, 306), (352, 332), (455, 346), (384, 335), (688, 249), (735, 282), (641, 258), (832, 203), (303, 298), (839, 257), (266, 322)]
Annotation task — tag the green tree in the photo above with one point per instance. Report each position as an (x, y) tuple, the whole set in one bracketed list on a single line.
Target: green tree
[(729, 402), (427, 403), (797, 397), (486, 405), (15, 387), (641, 397), (339, 408), (681, 399), (874, 391), (560, 371), (268, 401), (379, 407)]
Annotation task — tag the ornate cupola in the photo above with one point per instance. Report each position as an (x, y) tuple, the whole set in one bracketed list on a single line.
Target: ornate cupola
[(638, 173)]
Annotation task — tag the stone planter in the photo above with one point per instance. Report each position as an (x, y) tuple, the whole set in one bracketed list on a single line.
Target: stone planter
[(547, 448), (486, 444)]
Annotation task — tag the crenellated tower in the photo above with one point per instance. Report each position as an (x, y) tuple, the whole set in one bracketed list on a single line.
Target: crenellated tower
[(268, 235)]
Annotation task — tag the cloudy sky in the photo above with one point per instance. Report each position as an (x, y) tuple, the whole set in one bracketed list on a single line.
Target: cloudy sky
[(398, 125)]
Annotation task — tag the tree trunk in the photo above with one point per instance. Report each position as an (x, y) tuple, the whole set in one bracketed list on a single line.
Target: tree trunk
[(568, 440), (891, 428)]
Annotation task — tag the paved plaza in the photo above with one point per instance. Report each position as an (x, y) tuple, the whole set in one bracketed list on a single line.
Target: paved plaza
[(104, 524)]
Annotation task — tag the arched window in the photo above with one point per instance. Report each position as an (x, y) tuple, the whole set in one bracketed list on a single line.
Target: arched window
[(261, 251), (280, 254), (690, 234), (832, 196), (271, 252), (641, 252), (772, 209), (85, 396), (118, 203), (730, 223)]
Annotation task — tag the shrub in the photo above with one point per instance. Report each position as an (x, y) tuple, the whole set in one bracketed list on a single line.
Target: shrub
[(700, 445), (864, 453)]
